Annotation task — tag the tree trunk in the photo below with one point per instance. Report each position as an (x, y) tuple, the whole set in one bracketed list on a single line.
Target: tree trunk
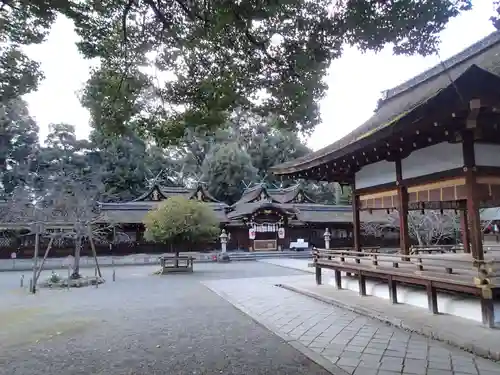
[(76, 265), (419, 238)]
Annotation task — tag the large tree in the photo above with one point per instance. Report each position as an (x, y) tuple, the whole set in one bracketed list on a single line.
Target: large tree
[(23, 23), (268, 146), (63, 149), (227, 170), (267, 57), (18, 143)]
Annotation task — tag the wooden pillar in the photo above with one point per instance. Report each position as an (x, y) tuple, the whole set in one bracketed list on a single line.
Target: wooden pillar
[(393, 291), (356, 225), (432, 298), (318, 275), (464, 230), (362, 284), (404, 236), (487, 308), (476, 236), (338, 279)]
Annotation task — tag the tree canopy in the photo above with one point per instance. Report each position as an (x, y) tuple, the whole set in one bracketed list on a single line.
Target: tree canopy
[(226, 160), (174, 64), (178, 220), (228, 169)]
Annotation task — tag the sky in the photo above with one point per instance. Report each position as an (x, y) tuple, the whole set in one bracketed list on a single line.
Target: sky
[(355, 81)]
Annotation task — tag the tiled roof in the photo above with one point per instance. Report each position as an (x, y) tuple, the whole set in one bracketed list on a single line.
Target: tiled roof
[(403, 99)]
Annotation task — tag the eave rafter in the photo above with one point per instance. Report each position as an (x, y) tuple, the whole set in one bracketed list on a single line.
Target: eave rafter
[(426, 131)]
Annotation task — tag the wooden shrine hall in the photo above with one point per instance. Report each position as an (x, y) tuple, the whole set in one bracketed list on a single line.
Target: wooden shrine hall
[(262, 219), (433, 143)]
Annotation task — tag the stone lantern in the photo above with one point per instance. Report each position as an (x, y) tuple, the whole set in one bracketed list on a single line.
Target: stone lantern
[(223, 240), (327, 237)]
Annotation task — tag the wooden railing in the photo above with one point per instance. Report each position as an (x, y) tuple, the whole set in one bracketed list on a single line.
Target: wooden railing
[(435, 249), (449, 274)]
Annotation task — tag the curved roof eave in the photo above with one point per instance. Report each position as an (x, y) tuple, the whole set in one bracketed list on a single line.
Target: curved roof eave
[(403, 99)]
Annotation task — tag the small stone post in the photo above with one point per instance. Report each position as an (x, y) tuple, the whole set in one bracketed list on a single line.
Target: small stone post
[(223, 241), (327, 237)]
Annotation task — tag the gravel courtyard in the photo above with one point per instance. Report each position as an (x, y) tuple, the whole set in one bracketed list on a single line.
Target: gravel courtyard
[(141, 324)]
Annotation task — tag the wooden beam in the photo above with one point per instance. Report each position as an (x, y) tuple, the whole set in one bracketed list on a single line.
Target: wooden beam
[(404, 236), (356, 223), (464, 228), (473, 200)]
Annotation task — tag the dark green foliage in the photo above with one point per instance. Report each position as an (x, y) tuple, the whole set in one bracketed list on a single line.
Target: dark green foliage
[(127, 165), (268, 147), (269, 57), (179, 221), (18, 143), (227, 160), (228, 169), (23, 22)]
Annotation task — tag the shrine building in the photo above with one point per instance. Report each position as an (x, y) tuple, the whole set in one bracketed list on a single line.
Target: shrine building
[(262, 219), (433, 143)]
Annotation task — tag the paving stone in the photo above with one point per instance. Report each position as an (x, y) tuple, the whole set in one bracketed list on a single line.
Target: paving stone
[(415, 362), (397, 360), (464, 359), (375, 345), (354, 348), (416, 370), (391, 366), (349, 354), (332, 359), (397, 344), (331, 353), (488, 372), (483, 364), (348, 369), (383, 343), (438, 372), (352, 341), (345, 361), (416, 355), (394, 353), (361, 370), (370, 358), (318, 345), (469, 370), (334, 346), (386, 372), (359, 342), (375, 365), (439, 365), (374, 351)]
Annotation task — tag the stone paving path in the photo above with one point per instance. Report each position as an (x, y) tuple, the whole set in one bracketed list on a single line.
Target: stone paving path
[(355, 343)]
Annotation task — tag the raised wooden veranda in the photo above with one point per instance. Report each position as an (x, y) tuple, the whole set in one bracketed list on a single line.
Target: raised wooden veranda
[(449, 273)]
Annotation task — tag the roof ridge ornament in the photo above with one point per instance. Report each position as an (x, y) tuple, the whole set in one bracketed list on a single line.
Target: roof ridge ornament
[(151, 182)]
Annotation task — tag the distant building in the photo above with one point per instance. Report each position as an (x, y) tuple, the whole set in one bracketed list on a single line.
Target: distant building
[(263, 218)]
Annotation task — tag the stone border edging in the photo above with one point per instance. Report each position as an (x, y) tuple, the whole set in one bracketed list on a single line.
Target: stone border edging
[(422, 330), (312, 355), (141, 262)]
